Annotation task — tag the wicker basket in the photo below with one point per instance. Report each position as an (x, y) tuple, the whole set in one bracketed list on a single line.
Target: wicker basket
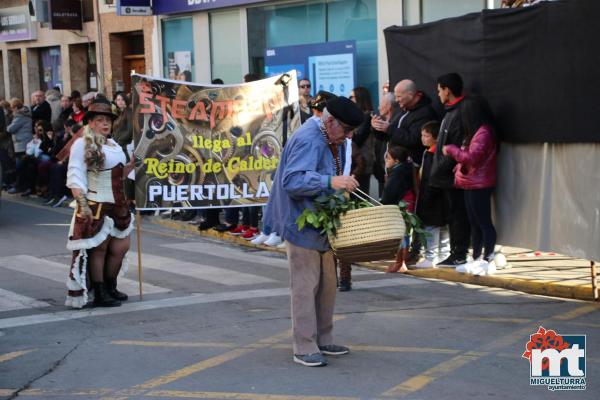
[(369, 234)]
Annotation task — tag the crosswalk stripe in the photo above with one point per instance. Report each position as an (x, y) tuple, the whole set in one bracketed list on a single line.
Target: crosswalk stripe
[(57, 272), (132, 306), (201, 271), (10, 301), (238, 254)]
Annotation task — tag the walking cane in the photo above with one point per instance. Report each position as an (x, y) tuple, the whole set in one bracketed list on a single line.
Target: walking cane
[(138, 224)]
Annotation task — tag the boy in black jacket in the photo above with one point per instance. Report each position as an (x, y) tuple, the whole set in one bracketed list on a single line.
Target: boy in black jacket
[(431, 207), (450, 92)]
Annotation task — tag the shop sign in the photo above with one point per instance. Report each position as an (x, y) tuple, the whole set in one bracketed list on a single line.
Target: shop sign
[(134, 7), (65, 14), (15, 24), (179, 6)]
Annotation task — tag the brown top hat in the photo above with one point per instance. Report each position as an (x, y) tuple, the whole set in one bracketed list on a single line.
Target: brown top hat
[(99, 107)]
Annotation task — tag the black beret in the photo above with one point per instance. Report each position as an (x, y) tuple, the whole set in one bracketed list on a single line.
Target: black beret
[(344, 110), (318, 102)]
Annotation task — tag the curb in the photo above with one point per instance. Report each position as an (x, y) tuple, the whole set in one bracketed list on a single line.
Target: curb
[(211, 233), (545, 288), (540, 287)]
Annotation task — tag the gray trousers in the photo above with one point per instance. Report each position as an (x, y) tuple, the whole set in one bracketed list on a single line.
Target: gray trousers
[(313, 287)]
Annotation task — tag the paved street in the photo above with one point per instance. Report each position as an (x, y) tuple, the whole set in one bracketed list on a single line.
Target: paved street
[(214, 323)]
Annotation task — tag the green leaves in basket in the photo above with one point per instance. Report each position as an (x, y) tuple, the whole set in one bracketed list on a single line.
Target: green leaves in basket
[(413, 223), (327, 211)]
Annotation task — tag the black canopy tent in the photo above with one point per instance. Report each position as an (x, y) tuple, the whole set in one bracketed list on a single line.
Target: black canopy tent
[(538, 66)]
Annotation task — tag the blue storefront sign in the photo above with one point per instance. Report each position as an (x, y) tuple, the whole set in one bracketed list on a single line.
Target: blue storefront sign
[(181, 6), (330, 66), (15, 24), (134, 7)]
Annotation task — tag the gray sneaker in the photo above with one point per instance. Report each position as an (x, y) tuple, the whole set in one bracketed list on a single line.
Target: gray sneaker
[(311, 360), (334, 350)]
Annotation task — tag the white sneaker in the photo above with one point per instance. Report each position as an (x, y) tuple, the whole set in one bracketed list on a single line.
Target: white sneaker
[(273, 240), (424, 264), (60, 202), (260, 239), (281, 245), (500, 261), (490, 268), (478, 267), (464, 268)]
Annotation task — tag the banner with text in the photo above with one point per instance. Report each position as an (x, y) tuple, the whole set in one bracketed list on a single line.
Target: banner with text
[(199, 146)]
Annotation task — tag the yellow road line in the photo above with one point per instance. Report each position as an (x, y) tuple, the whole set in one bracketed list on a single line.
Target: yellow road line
[(170, 344), (14, 354), (237, 396), (418, 382), (192, 369), (588, 324), (388, 349), (392, 349), (212, 362), (377, 349), (62, 392), (482, 319), (578, 312)]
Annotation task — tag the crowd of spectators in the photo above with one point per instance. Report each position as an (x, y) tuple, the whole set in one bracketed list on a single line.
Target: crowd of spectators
[(443, 169), (35, 140)]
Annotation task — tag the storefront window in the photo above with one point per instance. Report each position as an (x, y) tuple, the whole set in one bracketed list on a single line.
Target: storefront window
[(357, 20), (178, 49), (225, 46), (50, 68), (421, 11), (438, 9), (313, 23)]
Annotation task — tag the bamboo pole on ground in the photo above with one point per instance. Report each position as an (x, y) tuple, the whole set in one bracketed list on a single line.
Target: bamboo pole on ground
[(138, 229)]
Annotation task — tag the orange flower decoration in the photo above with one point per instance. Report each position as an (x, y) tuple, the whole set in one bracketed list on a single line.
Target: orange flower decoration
[(544, 339)]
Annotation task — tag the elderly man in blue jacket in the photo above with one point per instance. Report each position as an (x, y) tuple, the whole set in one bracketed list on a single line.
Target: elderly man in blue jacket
[(311, 165)]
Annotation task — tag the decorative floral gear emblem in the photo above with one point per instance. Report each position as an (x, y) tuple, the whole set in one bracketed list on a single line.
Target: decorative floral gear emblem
[(544, 339)]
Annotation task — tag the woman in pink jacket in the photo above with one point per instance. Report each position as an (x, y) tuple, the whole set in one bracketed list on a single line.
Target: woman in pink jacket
[(476, 174)]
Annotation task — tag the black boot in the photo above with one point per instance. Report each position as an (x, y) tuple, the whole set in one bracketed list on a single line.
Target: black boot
[(345, 284), (111, 288), (102, 298)]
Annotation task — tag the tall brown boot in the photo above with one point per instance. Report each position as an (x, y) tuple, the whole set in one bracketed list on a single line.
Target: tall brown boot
[(398, 265)]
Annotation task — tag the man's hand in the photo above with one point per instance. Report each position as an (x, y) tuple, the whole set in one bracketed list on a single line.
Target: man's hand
[(379, 123), (344, 182)]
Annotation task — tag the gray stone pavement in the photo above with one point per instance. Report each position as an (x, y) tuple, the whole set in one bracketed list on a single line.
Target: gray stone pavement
[(202, 333)]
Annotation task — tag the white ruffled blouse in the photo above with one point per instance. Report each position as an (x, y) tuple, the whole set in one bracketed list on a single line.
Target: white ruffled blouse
[(77, 171)]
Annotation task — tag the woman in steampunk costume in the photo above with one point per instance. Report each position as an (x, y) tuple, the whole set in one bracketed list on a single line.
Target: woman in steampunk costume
[(100, 228)]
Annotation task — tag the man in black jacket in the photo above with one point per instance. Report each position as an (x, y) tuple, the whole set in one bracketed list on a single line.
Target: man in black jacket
[(40, 108), (405, 129), (450, 88)]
